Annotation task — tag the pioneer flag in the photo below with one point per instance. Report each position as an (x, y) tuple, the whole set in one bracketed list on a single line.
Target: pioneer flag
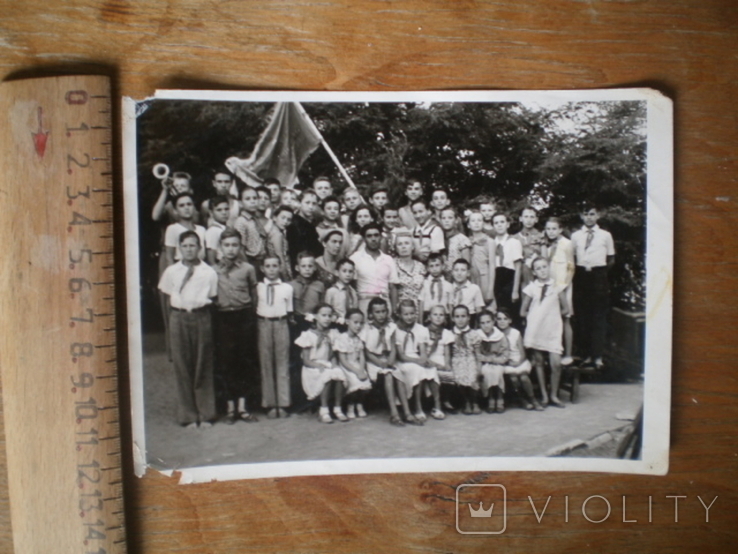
[(289, 138)]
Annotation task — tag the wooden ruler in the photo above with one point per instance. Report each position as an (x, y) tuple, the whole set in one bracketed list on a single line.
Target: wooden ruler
[(57, 346)]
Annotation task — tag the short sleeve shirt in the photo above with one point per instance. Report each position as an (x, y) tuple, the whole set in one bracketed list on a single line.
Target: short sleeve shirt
[(512, 251), (372, 337), (196, 292), (374, 276), (408, 342), (281, 299), (601, 246)]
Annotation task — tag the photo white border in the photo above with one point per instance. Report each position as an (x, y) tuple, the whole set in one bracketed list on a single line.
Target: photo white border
[(659, 283)]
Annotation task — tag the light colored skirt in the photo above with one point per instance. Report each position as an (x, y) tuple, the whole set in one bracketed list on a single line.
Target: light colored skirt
[(410, 374), (375, 371), (493, 376), (314, 379), (353, 383), (522, 369)]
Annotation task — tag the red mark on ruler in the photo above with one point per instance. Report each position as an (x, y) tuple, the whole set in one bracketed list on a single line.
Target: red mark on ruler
[(41, 136)]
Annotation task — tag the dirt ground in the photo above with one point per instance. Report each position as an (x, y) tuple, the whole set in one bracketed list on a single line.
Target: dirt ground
[(516, 432)]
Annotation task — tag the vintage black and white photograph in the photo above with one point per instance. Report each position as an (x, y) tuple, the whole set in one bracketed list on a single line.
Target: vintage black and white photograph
[(329, 283)]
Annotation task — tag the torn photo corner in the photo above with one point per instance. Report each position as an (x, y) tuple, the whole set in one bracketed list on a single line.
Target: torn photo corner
[(507, 303)]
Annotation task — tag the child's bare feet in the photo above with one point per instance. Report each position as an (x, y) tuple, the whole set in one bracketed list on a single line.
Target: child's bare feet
[(360, 412)]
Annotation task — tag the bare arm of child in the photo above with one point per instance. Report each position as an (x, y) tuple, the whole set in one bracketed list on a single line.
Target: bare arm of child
[(394, 291), (392, 358), (570, 265), (169, 252), (423, 351), (525, 306), (355, 368), (563, 304), (211, 256), (447, 357), (158, 211), (477, 356), (492, 261), (315, 364), (402, 357), (516, 282), (379, 361), (521, 355)]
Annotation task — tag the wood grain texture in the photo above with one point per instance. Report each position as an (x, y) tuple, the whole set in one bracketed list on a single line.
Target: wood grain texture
[(686, 49)]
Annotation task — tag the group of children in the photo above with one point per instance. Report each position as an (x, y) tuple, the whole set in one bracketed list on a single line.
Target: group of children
[(440, 325)]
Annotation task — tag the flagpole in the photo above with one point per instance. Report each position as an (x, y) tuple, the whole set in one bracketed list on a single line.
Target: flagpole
[(325, 145)]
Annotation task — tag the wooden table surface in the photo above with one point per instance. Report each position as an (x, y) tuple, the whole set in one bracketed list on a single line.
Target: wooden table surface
[(684, 48)]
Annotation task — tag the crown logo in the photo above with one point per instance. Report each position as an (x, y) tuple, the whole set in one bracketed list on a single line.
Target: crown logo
[(481, 512)]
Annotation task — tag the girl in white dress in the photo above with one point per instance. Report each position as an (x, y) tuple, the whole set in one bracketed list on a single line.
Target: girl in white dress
[(518, 367), (560, 254), (320, 373), (439, 357), (411, 340), (350, 349), (544, 306)]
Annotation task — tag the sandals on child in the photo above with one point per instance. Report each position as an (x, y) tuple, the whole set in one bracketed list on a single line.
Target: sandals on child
[(500, 407), (437, 414), (325, 417), (247, 417), (412, 420), (420, 416)]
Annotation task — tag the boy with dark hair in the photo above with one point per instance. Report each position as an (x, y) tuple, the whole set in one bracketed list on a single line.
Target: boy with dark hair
[(427, 234), (251, 227), (594, 254), (190, 286), (273, 307), (379, 196), (234, 325), (276, 241), (301, 233), (508, 259), (223, 184), (219, 211)]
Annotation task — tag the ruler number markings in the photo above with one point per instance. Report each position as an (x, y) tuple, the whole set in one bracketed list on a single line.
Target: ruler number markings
[(91, 477)]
